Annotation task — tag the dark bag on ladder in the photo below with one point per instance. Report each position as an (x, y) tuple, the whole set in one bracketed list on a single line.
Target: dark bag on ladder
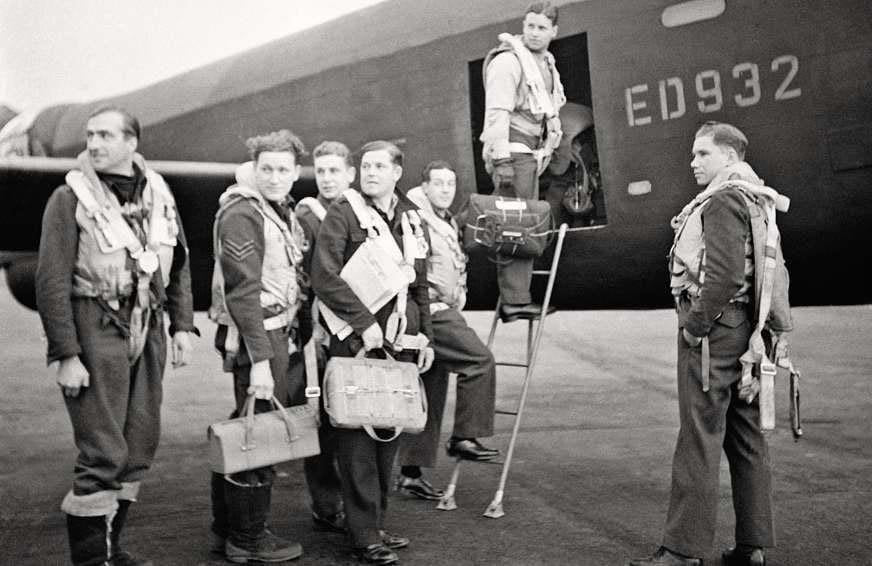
[(507, 226)]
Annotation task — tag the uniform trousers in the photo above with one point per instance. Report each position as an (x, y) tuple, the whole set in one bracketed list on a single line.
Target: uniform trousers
[(364, 464), (710, 422), (116, 419), (514, 275), (322, 478), (458, 349)]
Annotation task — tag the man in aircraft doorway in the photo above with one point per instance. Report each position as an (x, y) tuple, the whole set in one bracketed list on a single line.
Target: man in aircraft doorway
[(523, 95)]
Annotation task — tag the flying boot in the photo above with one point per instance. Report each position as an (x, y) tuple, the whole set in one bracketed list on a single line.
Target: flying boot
[(248, 538)]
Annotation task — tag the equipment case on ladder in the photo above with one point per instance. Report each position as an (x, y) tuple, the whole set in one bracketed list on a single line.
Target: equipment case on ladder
[(495, 509)]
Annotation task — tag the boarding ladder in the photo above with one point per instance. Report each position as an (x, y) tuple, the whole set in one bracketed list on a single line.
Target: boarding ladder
[(495, 509)]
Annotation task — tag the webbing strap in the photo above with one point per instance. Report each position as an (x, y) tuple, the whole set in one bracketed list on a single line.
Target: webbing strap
[(706, 364)]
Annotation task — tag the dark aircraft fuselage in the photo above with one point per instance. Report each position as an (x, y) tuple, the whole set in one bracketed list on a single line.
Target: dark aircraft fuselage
[(795, 76)]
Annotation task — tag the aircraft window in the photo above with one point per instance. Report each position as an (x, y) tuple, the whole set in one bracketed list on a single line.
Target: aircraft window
[(692, 11), (572, 183)]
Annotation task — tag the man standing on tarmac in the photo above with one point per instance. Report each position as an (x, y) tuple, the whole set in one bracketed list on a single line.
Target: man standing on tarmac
[(717, 264), (458, 348), (523, 95), (334, 173), (259, 255), (112, 258), (364, 463)]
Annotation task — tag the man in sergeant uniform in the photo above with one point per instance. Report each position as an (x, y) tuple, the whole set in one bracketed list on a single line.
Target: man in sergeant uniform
[(334, 173), (458, 348), (259, 252), (715, 299), (364, 463), (112, 259), (521, 129)]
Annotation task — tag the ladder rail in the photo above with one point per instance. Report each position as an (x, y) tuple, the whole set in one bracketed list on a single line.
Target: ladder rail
[(494, 510)]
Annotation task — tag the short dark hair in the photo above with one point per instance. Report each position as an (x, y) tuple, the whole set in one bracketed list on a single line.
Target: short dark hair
[(282, 140), (381, 145), (434, 166), (336, 148), (545, 8), (724, 134), (130, 123)]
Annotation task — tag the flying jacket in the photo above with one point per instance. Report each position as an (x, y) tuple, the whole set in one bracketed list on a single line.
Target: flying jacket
[(339, 237)]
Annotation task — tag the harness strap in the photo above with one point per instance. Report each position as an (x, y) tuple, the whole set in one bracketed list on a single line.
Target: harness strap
[(706, 364), (315, 206)]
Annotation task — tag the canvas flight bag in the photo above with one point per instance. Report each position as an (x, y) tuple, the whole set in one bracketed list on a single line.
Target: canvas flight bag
[(508, 226), (256, 440), (367, 393)]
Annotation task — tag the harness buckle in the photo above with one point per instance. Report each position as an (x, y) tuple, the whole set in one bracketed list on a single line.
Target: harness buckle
[(313, 391)]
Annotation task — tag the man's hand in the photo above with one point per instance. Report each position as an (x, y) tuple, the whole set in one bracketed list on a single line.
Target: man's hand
[(425, 359), (261, 381), (72, 376), (373, 337), (690, 339), (504, 174), (181, 349), (749, 389)]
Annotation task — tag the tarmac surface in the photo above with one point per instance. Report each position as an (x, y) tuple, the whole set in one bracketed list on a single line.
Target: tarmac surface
[(589, 483)]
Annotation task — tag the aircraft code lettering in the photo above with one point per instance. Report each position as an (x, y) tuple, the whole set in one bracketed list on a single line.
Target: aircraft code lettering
[(708, 84)]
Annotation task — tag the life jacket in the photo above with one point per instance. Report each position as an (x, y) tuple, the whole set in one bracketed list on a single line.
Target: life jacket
[(771, 280), (112, 263), (279, 287), (315, 206), (382, 249), (446, 266), (539, 105)]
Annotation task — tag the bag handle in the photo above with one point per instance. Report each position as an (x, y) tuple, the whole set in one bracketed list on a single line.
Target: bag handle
[(398, 430), (248, 444)]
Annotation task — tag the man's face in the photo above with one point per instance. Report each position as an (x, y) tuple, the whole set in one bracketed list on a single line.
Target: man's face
[(109, 150), (709, 159), (378, 174), (538, 32), (275, 173), (441, 188), (332, 175)]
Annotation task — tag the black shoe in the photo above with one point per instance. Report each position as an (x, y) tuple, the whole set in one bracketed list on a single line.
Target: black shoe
[(665, 557), (470, 449), (334, 523), (742, 556), (419, 487), (124, 558), (529, 311), (393, 542), (376, 554)]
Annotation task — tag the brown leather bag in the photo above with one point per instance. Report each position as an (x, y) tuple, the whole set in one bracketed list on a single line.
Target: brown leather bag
[(256, 440)]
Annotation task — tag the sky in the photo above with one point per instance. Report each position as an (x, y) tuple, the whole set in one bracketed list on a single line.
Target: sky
[(54, 51)]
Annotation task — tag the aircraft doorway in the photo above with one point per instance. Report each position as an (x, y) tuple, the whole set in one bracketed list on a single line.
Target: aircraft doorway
[(575, 191)]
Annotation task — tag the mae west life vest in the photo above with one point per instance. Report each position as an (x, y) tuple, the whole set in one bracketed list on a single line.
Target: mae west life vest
[(395, 267), (446, 265), (106, 241), (107, 244), (280, 290), (539, 104), (771, 280)]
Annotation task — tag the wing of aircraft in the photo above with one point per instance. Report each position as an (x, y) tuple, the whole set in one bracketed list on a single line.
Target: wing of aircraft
[(793, 75)]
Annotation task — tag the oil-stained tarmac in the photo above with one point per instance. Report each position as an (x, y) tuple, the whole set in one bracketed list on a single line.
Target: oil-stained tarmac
[(589, 484)]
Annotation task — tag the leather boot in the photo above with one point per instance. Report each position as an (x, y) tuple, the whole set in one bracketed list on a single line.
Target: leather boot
[(248, 538), (218, 531), (89, 540), (121, 557)]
